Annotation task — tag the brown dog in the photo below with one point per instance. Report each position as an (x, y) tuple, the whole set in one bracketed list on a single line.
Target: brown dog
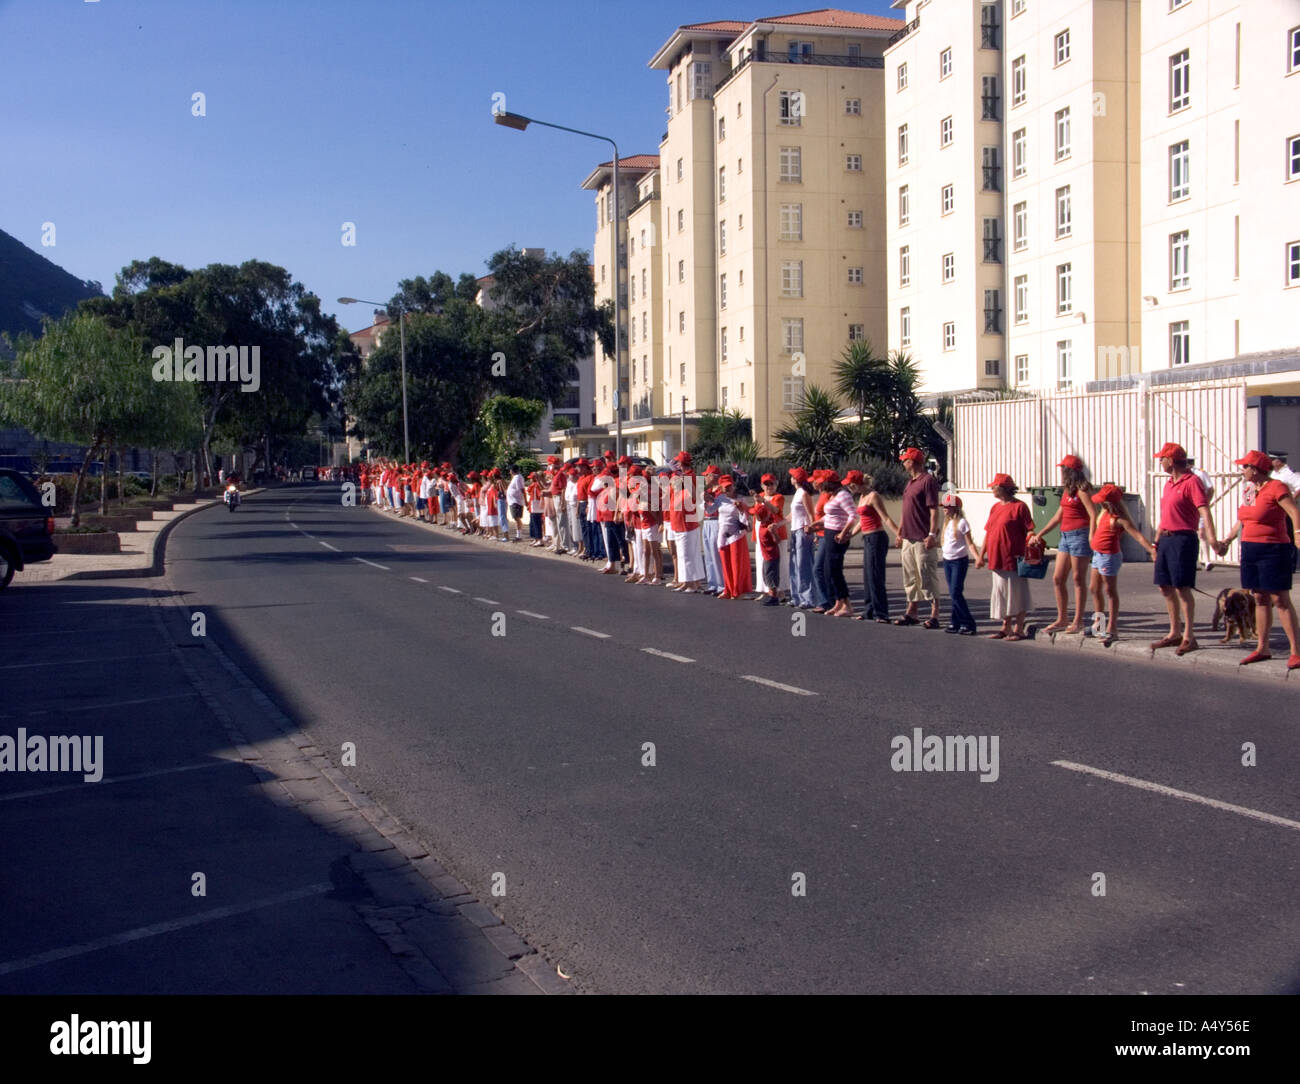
[(1235, 609)]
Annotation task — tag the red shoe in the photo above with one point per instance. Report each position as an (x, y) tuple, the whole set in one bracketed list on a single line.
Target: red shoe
[(1293, 663), (1254, 656)]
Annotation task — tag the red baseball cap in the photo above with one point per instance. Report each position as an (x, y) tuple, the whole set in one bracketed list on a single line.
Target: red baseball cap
[(726, 480), (608, 453), (472, 475), (768, 478), (1071, 461), (623, 461), (854, 478), (912, 453), (711, 469), (1258, 460), (799, 474), (951, 500), (1002, 480), (552, 459), (1171, 451), (684, 457), (1108, 493), (635, 471), (830, 476)]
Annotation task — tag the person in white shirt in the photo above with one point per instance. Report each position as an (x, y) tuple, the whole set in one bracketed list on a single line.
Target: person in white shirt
[(515, 502), (958, 545), (1285, 474)]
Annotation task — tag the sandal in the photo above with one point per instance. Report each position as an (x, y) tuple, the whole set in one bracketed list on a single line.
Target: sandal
[(906, 620), (999, 635), (1254, 656), (930, 623), (1015, 636), (1186, 647)]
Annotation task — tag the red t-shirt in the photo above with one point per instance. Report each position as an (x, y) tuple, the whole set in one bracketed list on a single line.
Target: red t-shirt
[(1008, 525), (773, 512), (1073, 514), (584, 486), (1179, 503), (1262, 518), (1106, 538), (558, 482)]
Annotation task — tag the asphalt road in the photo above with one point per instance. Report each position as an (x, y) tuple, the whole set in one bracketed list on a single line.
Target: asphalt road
[(522, 754)]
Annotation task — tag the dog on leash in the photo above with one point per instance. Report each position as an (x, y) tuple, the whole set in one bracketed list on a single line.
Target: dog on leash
[(1235, 610)]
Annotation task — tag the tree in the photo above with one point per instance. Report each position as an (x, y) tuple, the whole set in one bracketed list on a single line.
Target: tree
[(509, 421), (814, 439), (721, 434), (862, 378)]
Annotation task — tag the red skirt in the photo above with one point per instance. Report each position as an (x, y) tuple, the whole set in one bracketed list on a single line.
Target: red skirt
[(736, 577)]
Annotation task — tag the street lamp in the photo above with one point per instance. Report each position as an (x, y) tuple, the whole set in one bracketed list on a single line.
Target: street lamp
[(519, 122), (401, 331)]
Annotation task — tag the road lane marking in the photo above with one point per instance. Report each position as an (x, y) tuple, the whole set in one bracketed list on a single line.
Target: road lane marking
[(452, 590), (777, 685), (82, 662), (418, 580), (666, 654), (371, 564), (1186, 796), (590, 632), (327, 546), (142, 932), (101, 707), (529, 613), (119, 779), (488, 601)]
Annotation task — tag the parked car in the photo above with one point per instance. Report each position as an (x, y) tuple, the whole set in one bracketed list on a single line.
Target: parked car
[(309, 474), (635, 460), (26, 528)]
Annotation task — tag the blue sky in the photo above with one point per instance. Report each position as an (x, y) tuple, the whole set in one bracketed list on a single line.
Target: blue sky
[(321, 112)]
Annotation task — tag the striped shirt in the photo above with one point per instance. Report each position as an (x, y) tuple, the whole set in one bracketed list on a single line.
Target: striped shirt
[(839, 511)]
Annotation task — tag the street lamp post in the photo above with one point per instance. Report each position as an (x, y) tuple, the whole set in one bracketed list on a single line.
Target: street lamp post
[(519, 122), (401, 331)]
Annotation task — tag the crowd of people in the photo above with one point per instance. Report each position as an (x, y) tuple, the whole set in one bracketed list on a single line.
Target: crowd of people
[(624, 516)]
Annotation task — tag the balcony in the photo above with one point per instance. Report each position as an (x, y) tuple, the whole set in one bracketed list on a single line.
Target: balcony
[(993, 249), (643, 201), (992, 178), (993, 320), (901, 34), (990, 104), (824, 60)]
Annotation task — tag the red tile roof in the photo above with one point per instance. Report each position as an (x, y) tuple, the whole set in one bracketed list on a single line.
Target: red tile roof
[(633, 161), (731, 25), (835, 17)]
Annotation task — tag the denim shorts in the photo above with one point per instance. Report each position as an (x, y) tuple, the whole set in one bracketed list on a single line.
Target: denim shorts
[(1108, 564), (1075, 543)]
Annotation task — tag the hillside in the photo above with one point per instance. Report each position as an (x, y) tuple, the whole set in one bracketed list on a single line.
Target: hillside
[(31, 287)]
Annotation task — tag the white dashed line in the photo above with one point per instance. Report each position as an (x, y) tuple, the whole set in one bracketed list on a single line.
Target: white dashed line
[(486, 601), (371, 563), (328, 546), (418, 580), (1186, 796), (666, 654), (529, 613), (450, 590), (777, 685), (590, 632)]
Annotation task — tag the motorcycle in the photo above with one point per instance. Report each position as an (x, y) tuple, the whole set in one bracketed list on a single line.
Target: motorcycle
[(231, 497)]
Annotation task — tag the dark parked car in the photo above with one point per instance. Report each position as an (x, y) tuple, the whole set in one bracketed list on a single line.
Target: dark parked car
[(25, 526)]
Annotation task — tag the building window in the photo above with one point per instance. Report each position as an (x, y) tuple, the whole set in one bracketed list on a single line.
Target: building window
[(950, 335), (633, 285), (1180, 343), (1065, 364), (1022, 368), (1293, 157), (1180, 276), (857, 332), (681, 322), (855, 276), (855, 220), (792, 222), (681, 270), (992, 367), (905, 266), (634, 331), (992, 160), (1062, 43), (1022, 299), (681, 221), (1293, 263), (722, 184), (741, 336), (945, 63), (792, 107), (740, 165), (1064, 289), (1019, 153), (1293, 50), (1180, 180), (1174, 4), (722, 237), (902, 76), (1063, 133), (1063, 212), (722, 129), (945, 132), (853, 163), (634, 363), (946, 199), (722, 291), (791, 393), (724, 395), (990, 99), (681, 374), (742, 276), (645, 325), (989, 26), (792, 335), (1180, 74), (902, 144), (853, 107), (904, 206), (631, 246), (1019, 82), (993, 312), (792, 278), (791, 165), (679, 169), (1017, 7), (722, 349), (993, 240), (905, 326), (602, 272), (949, 267), (1020, 226)]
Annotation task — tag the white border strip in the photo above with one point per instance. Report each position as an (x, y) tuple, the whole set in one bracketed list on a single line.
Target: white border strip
[(666, 654), (777, 685)]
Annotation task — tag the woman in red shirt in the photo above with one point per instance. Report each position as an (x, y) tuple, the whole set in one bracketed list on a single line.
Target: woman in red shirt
[(1267, 552), (1075, 517), (1005, 534), (1110, 524)]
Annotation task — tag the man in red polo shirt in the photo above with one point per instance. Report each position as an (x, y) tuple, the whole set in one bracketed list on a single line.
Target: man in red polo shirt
[(1182, 505)]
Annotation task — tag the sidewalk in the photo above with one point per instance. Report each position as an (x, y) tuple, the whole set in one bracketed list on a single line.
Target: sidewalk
[(1142, 616)]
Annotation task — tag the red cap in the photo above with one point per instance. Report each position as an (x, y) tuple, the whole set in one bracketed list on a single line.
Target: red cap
[(623, 461), (472, 475), (768, 478), (912, 453), (582, 462), (711, 469), (830, 476), (726, 480), (854, 478), (608, 453), (1258, 460), (683, 456), (1071, 461), (1002, 480), (635, 471), (799, 474), (1108, 493), (552, 459), (951, 500), (1171, 451)]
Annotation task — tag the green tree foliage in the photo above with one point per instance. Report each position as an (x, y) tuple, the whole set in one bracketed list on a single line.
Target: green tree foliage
[(814, 439), (723, 434), (509, 421)]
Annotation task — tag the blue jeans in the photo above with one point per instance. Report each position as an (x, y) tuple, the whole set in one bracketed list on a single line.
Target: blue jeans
[(801, 569), (875, 547), (829, 570), (955, 573)]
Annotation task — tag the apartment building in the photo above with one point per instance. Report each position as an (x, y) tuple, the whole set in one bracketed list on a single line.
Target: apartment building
[(946, 176)]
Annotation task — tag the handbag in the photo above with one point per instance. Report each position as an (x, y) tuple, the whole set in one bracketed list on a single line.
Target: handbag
[(1032, 566)]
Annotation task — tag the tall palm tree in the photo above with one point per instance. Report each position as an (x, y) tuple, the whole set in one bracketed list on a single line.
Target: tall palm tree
[(861, 377), (814, 439)]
